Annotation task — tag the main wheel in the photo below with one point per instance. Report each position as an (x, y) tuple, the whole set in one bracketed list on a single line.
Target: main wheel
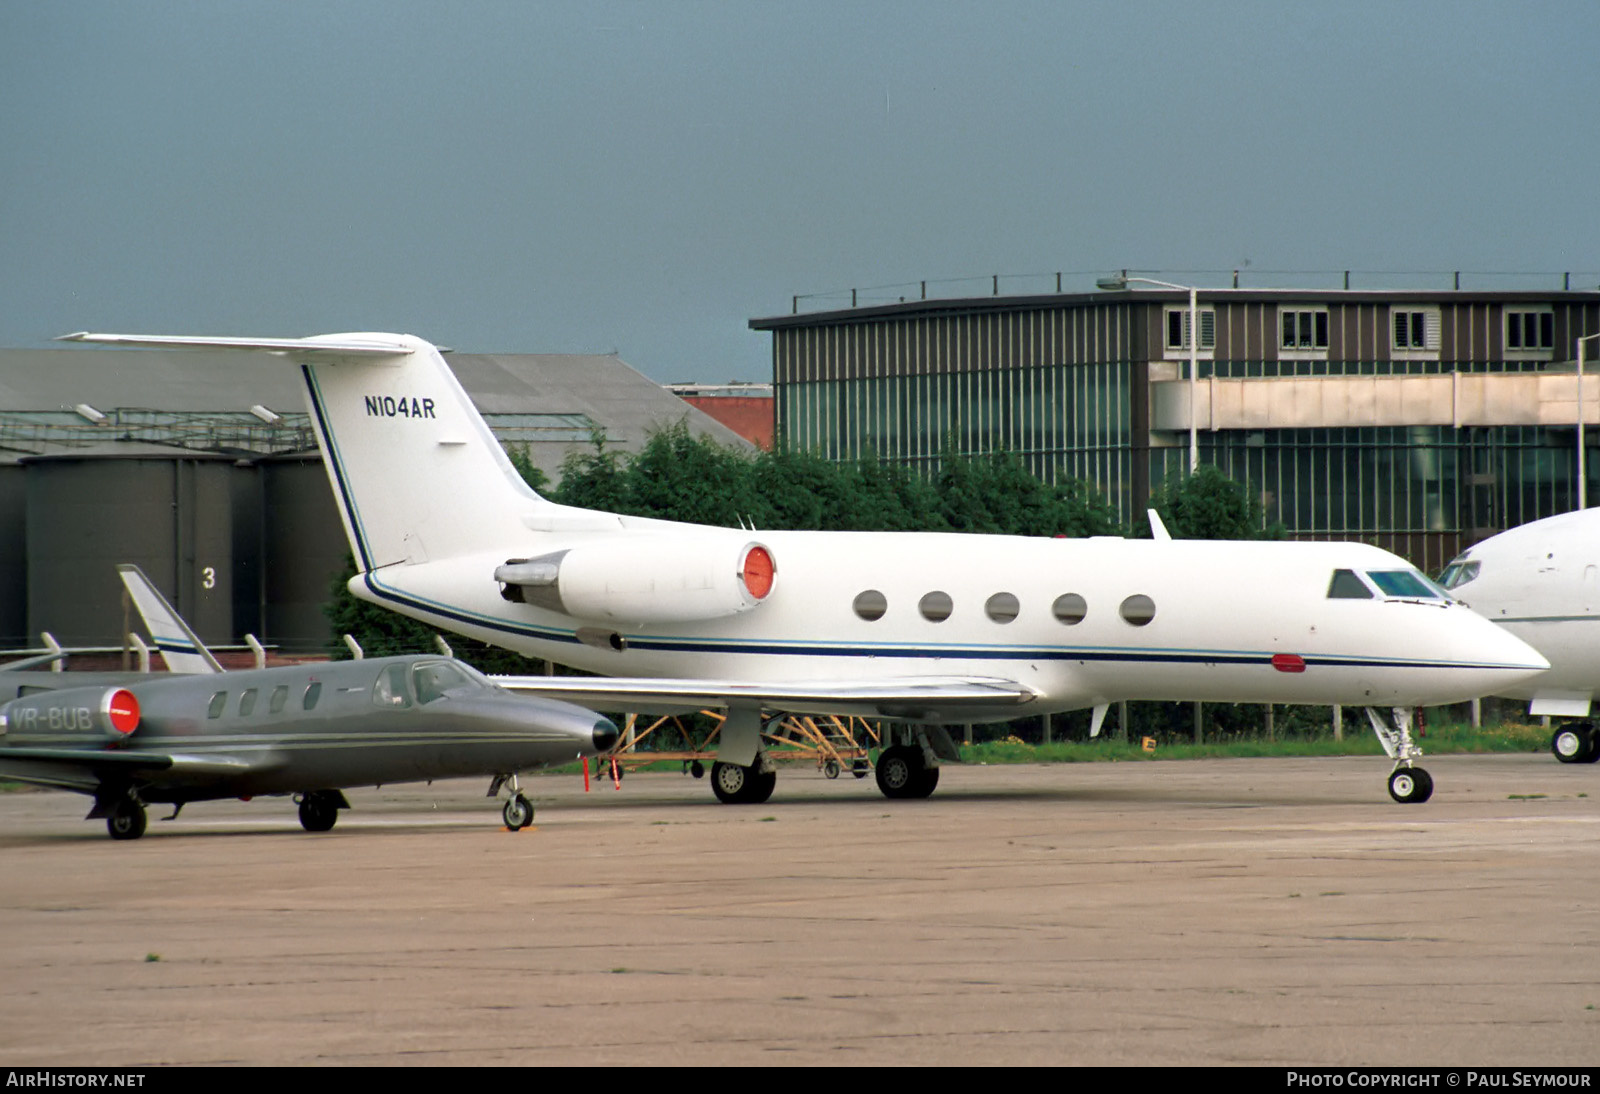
[(900, 773), (1575, 744), (925, 783), (518, 812), (732, 783), (1410, 785), (318, 813), (761, 785), (127, 820)]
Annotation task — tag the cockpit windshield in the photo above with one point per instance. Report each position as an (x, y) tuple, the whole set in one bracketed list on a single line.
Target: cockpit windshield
[(1458, 573), (433, 679), (1406, 583), (1347, 586)]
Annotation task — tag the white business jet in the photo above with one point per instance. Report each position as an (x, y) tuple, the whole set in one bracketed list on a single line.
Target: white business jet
[(921, 629), (1541, 582)]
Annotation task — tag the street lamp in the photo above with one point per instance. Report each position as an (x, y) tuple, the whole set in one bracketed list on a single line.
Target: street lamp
[(1122, 281), (1583, 482)]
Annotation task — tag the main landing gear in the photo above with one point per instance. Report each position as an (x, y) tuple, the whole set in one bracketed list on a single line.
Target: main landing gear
[(1576, 743), (127, 818), (909, 766), (1408, 783), (736, 785), (902, 773), (319, 809)]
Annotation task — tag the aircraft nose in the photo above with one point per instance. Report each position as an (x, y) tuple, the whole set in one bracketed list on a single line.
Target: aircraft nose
[(606, 735)]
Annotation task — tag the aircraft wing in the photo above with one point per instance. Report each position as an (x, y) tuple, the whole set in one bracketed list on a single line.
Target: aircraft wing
[(84, 769), (890, 697)]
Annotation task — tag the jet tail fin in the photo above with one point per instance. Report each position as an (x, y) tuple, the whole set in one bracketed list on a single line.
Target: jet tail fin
[(180, 647), (416, 473)]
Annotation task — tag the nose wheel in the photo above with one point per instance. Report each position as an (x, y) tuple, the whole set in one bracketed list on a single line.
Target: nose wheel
[(1408, 784), (518, 812)]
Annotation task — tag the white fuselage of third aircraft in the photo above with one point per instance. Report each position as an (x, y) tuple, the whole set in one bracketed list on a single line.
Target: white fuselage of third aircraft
[(1541, 582)]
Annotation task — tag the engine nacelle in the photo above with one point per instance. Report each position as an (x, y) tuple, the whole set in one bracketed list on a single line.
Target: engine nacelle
[(109, 713), (644, 579)]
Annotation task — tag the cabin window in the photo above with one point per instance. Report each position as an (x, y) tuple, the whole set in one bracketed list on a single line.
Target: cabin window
[(219, 702), (313, 693), (1407, 583), (247, 702), (935, 607), (1138, 609), (1070, 608), (1459, 573), (870, 605), (1001, 607), (390, 688), (1347, 586), (280, 696)]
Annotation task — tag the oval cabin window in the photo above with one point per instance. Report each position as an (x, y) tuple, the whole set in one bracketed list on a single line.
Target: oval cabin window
[(871, 605), (1001, 607), (936, 607), (1070, 608), (1138, 609)]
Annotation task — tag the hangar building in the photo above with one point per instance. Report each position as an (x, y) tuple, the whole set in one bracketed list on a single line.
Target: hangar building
[(201, 467), (1419, 420)]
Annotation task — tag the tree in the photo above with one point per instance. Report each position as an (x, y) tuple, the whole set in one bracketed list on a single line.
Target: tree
[(1210, 505)]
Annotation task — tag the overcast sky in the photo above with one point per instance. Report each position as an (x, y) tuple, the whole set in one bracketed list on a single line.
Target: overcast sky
[(504, 176)]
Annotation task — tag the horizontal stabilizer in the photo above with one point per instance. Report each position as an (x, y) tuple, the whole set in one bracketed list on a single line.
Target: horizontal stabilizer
[(343, 345)]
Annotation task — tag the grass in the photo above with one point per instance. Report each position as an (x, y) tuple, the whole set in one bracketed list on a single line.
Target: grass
[(1358, 741)]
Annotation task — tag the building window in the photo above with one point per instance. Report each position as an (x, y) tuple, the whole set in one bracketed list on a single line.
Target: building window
[(1530, 332), (1302, 332), (1178, 330), (1415, 332)]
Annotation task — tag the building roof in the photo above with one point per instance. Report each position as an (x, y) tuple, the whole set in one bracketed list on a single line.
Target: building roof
[(553, 403), (911, 309)]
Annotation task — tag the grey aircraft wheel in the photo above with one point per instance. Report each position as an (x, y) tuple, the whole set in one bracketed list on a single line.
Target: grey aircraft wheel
[(1410, 785), (518, 812), (127, 820), (318, 813), (729, 782), (898, 772), (925, 783)]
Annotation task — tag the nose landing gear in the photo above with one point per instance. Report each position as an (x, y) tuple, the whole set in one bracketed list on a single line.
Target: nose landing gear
[(1408, 783)]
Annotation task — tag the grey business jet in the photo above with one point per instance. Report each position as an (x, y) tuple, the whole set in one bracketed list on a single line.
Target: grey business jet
[(307, 730)]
